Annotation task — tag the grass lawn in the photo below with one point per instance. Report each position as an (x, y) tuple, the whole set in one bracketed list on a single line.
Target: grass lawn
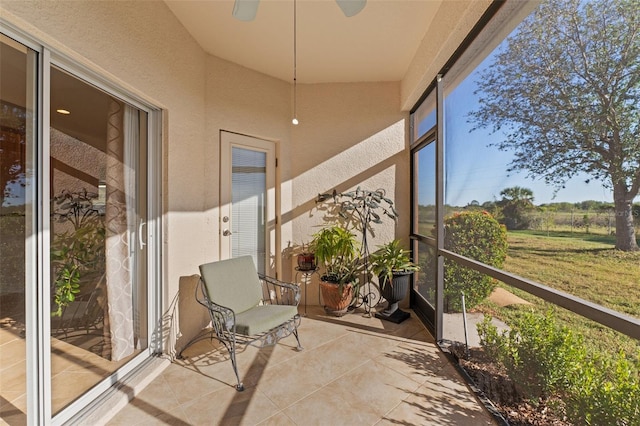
[(584, 265)]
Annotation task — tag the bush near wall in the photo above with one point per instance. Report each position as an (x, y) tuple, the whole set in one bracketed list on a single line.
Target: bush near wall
[(479, 236), (544, 359)]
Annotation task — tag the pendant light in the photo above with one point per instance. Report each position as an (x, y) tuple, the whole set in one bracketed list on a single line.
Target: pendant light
[(295, 64)]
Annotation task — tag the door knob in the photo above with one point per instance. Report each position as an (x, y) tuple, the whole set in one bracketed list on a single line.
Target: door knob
[(226, 232)]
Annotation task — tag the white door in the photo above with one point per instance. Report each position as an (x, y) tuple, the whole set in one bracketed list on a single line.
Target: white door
[(247, 199)]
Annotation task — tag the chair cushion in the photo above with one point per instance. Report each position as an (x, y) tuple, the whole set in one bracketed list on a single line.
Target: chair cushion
[(233, 283), (263, 318)]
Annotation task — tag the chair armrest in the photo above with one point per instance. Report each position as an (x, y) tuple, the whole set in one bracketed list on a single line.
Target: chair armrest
[(278, 292)]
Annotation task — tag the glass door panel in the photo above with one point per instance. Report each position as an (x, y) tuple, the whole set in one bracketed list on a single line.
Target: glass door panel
[(424, 166), (249, 195), (17, 125), (98, 252)]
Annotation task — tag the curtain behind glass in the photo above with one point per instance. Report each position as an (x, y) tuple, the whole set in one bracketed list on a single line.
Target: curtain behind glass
[(120, 220)]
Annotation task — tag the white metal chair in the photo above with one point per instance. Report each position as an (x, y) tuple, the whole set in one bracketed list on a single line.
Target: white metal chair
[(247, 307)]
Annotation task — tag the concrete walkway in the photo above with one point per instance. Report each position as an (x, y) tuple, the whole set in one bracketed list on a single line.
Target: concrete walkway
[(453, 325)]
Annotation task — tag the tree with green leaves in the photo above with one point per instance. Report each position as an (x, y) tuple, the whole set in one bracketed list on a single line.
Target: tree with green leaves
[(565, 91), (516, 203)]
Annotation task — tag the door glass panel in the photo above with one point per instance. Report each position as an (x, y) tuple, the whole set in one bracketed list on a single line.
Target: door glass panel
[(425, 225), (425, 282), (249, 195), (98, 209), (17, 115)]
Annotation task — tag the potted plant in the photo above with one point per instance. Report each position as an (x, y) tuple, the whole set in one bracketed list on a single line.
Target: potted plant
[(77, 249), (336, 249), (393, 266), (306, 259)]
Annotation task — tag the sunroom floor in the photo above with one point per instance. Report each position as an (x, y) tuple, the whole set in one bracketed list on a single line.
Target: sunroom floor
[(354, 370)]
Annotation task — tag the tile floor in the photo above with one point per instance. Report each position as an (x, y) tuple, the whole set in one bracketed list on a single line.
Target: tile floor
[(74, 370), (353, 370)]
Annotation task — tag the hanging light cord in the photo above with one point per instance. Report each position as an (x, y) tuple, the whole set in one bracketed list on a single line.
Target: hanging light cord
[(295, 63)]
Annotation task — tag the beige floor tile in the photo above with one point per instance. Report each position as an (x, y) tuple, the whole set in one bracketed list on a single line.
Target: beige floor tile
[(289, 382), (283, 352), (418, 361), (12, 378), (424, 407), (326, 407), (12, 351), (373, 387), (228, 406), (68, 386), (187, 384), (315, 331), (278, 419), (139, 413), (353, 371), (8, 334)]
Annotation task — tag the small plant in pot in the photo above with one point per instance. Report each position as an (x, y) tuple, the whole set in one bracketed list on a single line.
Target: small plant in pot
[(306, 259), (336, 250), (393, 266)]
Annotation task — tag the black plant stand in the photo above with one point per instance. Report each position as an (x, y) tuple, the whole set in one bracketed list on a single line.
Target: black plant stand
[(394, 292), (306, 280), (396, 317)]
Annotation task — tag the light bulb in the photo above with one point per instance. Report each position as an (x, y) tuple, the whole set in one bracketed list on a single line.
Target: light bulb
[(294, 121)]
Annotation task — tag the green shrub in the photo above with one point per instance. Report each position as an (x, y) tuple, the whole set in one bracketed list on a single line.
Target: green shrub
[(605, 391), (545, 359), (538, 355), (477, 235)]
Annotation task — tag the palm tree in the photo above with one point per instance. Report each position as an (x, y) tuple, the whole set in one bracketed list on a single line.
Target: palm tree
[(515, 203)]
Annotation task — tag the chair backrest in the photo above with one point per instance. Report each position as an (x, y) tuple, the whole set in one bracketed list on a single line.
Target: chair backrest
[(233, 283)]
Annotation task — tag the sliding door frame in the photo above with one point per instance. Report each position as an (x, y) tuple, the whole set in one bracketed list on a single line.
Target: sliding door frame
[(37, 245)]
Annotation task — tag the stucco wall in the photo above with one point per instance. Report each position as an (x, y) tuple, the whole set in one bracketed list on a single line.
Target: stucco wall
[(244, 101), (142, 48), (349, 135)]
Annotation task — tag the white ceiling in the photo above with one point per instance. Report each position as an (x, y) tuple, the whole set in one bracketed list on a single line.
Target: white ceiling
[(377, 44)]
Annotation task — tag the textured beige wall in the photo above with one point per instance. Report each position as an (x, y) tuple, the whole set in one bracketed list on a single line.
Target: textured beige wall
[(349, 135), (243, 101), (141, 47)]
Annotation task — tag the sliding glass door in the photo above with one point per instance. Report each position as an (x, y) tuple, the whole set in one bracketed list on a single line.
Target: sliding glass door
[(18, 66), (98, 216), (77, 160)]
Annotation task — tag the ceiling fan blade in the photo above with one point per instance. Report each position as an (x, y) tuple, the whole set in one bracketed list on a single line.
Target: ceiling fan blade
[(245, 10), (350, 7)]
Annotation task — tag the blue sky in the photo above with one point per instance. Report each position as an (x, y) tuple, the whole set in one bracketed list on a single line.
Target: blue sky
[(476, 171)]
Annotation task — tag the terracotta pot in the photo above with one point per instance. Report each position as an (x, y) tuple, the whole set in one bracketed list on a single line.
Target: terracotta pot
[(335, 303)]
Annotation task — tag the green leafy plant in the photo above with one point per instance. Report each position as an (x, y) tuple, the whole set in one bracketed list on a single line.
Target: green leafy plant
[(544, 359), (337, 249), (477, 235), (537, 353), (79, 249), (391, 258), (359, 210), (605, 390)]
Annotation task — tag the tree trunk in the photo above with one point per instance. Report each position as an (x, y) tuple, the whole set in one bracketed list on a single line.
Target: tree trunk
[(625, 231)]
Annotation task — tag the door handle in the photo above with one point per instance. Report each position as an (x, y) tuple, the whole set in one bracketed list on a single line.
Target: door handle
[(140, 241), (226, 232)]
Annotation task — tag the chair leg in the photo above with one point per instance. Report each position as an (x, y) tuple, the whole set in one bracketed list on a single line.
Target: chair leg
[(234, 363), (295, 333)]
